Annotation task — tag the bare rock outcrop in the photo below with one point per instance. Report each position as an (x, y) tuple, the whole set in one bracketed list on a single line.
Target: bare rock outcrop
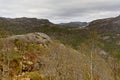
[(37, 38)]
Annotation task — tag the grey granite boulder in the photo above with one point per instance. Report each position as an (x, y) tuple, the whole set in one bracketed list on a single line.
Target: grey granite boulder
[(37, 37)]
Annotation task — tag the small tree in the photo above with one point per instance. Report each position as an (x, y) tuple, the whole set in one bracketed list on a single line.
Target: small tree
[(92, 43)]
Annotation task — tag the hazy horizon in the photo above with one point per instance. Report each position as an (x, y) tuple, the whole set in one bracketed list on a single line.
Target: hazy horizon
[(60, 11), (55, 22)]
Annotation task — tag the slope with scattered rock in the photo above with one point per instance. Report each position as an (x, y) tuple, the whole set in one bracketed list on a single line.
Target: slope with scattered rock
[(54, 61)]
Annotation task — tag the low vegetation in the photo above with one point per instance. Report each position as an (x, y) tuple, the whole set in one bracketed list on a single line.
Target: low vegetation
[(81, 54)]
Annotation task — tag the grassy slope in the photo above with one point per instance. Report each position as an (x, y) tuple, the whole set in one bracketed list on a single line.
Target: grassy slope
[(57, 62), (73, 38)]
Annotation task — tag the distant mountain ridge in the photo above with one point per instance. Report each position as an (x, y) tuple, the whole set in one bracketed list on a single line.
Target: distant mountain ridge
[(74, 24), (23, 25), (25, 20)]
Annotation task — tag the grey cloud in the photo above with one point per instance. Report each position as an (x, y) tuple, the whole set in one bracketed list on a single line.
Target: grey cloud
[(80, 10), (60, 10)]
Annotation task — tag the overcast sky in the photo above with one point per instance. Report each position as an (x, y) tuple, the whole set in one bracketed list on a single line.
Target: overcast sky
[(60, 10)]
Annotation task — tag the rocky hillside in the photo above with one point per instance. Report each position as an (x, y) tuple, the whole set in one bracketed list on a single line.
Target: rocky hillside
[(27, 25), (23, 58), (27, 52), (106, 25), (109, 31)]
